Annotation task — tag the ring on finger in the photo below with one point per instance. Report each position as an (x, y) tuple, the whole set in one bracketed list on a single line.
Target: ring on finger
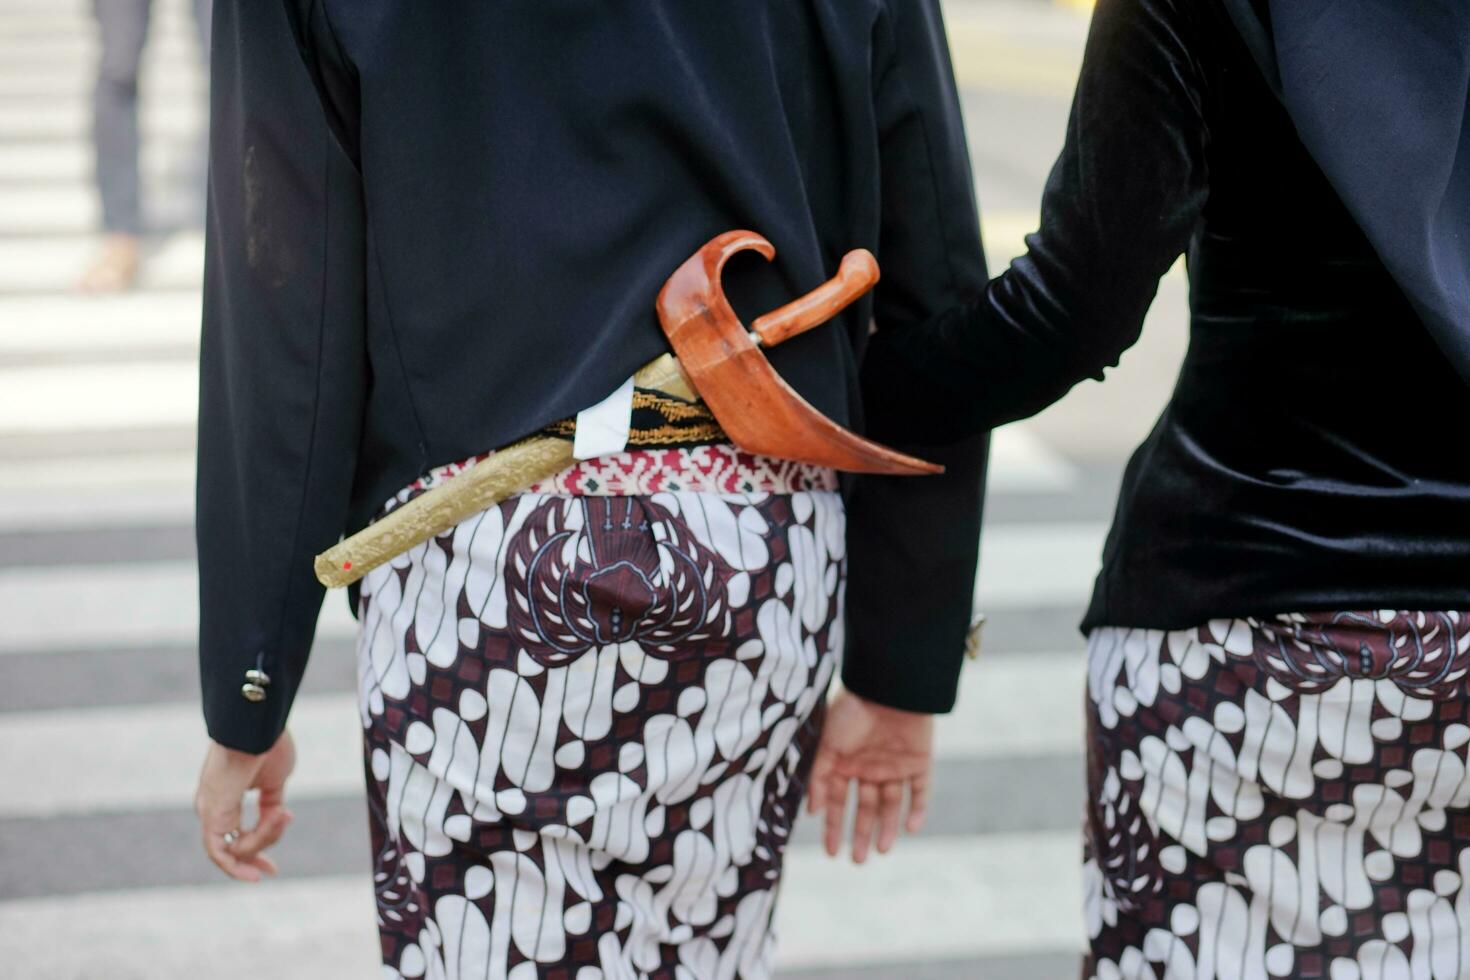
[(231, 836)]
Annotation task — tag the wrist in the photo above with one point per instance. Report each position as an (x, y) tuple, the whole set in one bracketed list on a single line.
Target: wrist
[(888, 711), (245, 757)]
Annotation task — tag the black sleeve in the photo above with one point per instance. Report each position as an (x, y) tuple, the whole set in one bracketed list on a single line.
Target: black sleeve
[(913, 542), (1120, 206), (282, 373)]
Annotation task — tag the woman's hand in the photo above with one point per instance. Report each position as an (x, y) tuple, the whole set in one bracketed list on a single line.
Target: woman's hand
[(888, 752), (226, 777)]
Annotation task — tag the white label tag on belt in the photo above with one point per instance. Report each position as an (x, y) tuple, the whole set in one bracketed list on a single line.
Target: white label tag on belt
[(604, 428)]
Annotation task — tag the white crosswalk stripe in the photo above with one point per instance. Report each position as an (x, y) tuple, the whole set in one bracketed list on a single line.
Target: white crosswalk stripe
[(85, 761), (118, 493), (71, 119), (112, 606), (933, 900), (70, 325), (43, 163), (35, 208), (63, 399), (51, 264), (97, 413)]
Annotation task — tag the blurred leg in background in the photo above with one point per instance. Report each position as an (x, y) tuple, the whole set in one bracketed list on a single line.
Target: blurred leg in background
[(203, 16), (202, 12), (196, 163), (123, 26)]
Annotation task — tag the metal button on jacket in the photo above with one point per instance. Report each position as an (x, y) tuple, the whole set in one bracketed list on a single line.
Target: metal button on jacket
[(256, 681)]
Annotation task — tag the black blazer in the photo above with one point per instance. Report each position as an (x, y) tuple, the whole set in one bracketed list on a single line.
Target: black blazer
[(436, 227), (1311, 456)]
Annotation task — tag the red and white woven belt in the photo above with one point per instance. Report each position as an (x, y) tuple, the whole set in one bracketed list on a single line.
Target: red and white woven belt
[(641, 472)]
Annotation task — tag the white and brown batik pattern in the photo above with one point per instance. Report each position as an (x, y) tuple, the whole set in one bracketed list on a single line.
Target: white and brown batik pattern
[(587, 731), (1284, 797)]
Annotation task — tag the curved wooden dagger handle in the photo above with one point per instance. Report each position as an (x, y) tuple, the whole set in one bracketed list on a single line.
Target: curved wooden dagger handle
[(759, 411), (857, 274)]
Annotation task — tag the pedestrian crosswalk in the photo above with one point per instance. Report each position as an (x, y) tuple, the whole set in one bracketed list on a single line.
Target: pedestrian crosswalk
[(100, 871)]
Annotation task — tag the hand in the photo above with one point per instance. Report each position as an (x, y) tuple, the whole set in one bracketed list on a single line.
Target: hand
[(886, 751), (226, 777)]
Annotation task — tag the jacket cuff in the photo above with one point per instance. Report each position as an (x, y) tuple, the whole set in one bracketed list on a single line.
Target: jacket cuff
[(893, 682), (913, 548), (245, 708)]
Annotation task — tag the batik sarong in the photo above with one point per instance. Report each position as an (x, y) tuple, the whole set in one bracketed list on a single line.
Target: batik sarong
[(588, 719), (1284, 797)]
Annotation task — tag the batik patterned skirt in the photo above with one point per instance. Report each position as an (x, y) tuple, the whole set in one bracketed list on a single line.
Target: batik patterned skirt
[(588, 719), (1284, 797)]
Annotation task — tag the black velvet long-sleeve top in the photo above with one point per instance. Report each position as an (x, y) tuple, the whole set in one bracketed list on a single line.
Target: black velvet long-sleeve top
[(1313, 454), (435, 228)]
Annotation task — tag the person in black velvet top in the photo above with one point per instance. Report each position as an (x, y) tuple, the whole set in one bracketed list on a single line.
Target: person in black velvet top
[(1301, 462), (1280, 633)]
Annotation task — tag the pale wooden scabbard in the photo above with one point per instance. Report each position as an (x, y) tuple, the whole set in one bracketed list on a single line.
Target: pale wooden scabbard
[(485, 484)]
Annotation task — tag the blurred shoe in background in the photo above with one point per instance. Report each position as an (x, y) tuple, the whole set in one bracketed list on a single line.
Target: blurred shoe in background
[(123, 29), (115, 269)]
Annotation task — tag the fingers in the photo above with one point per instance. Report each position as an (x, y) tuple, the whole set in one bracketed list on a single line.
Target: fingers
[(835, 815), (271, 797), (878, 814), (264, 865), (219, 852), (224, 779), (918, 802), (266, 832), (219, 812), (216, 818), (243, 859), (816, 793), (866, 821), (890, 812)]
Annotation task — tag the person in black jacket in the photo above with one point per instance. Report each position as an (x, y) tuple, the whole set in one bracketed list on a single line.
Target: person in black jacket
[(1280, 634), (436, 229)]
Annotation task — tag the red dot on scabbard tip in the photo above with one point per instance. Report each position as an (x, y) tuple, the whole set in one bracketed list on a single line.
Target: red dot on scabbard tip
[(346, 565)]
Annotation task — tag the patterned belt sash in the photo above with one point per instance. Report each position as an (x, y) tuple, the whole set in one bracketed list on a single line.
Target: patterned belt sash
[(660, 421), (674, 445)]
